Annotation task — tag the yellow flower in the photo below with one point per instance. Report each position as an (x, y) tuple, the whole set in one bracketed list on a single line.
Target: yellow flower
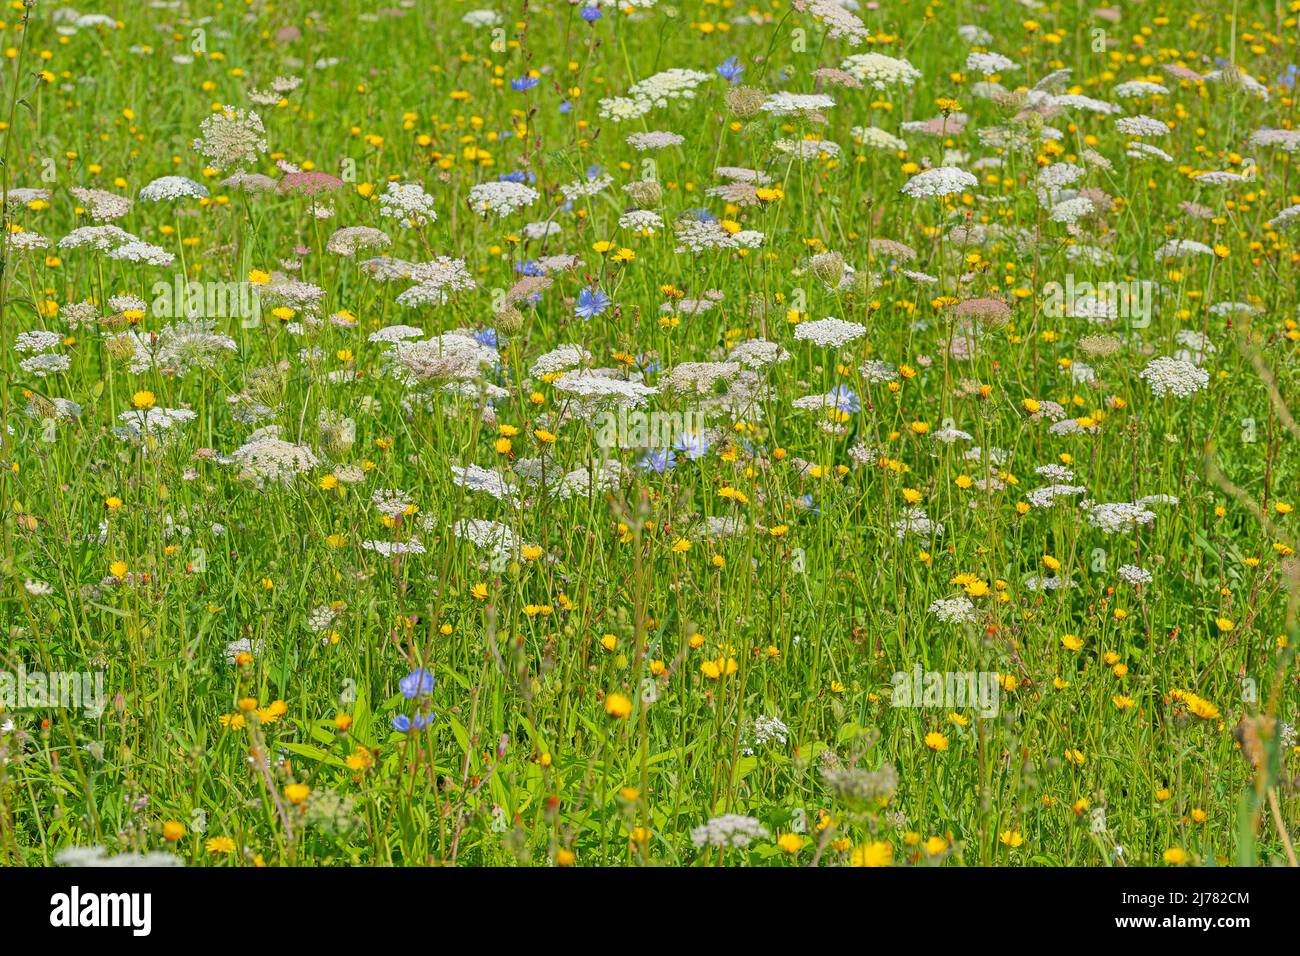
[(173, 830), (936, 741), (220, 845), (722, 667), (359, 760), (1200, 707), (564, 857), (297, 793), (878, 853), (143, 399), (118, 569), (1011, 838), (935, 845), (479, 592), (617, 706), (792, 843), (1176, 856)]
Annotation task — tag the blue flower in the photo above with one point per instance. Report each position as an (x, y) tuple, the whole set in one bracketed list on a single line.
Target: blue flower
[(591, 303), (846, 400), (731, 69), (402, 724), (488, 337), (591, 14), (418, 683), (691, 444), (657, 460), (524, 83), (566, 107)]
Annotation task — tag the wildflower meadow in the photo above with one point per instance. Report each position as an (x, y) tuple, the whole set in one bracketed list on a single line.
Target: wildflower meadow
[(693, 433)]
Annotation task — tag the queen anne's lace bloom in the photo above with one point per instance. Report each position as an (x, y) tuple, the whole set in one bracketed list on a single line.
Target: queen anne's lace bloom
[(168, 188), (409, 204), (880, 71), (501, 198), (938, 182), (1171, 376), (732, 830), (829, 332)]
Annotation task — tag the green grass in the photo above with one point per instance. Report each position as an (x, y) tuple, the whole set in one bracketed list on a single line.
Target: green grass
[(1096, 755)]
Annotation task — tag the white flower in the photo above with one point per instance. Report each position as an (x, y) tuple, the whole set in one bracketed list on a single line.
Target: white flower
[(880, 71), (958, 610), (989, 63), (167, 188), (790, 104), (1141, 126), (829, 332), (231, 137), (873, 137), (501, 198), (731, 830), (1171, 376), (940, 181), (409, 204), (1134, 575), (272, 460)]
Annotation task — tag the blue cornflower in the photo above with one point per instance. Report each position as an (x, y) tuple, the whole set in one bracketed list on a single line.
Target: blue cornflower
[(731, 69), (658, 460), (691, 444), (524, 83), (591, 14), (846, 400), (402, 724), (418, 683), (591, 303), (488, 337)]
